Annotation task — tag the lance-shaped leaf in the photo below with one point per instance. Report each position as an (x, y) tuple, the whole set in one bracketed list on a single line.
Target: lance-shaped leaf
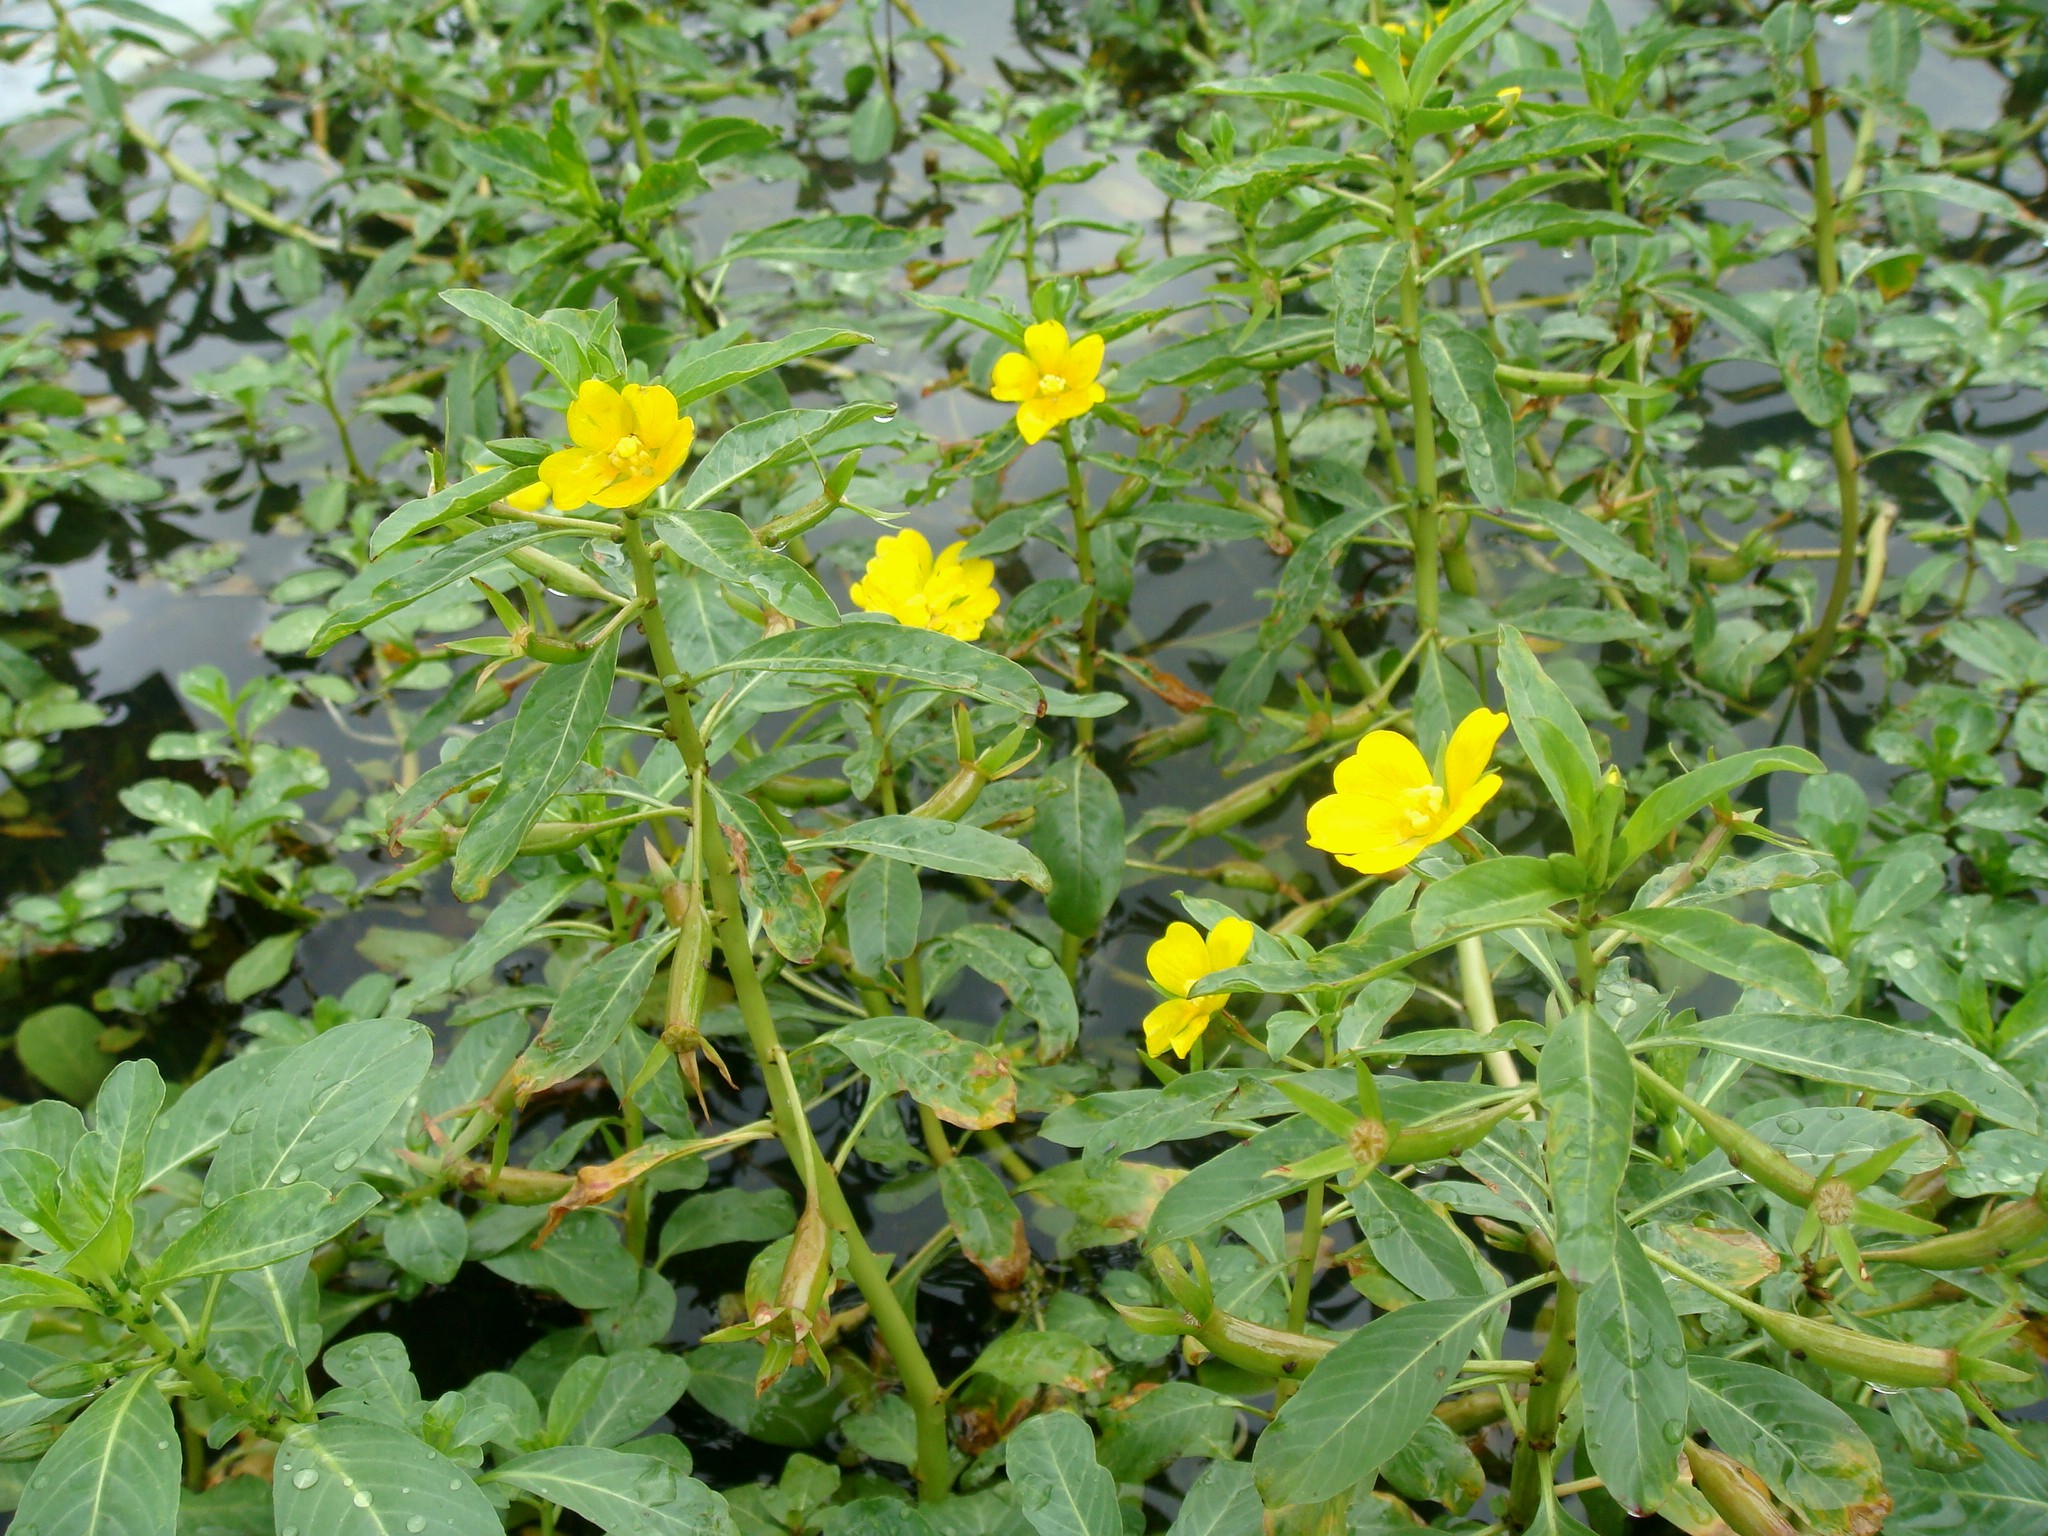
[(561, 712), (261, 1227), (1810, 1453), (1079, 833), (461, 499), (1364, 275), (1632, 1371), (405, 576), (553, 345), (786, 437), (986, 1221), (597, 1003), (847, 242), (1485, 894), (949, 846), (1549, 729), (723, 545), (1809, 339), (882, 649), (1670, 805), (774, 883), (959, 1081), (1026, 972), (1365, 1400), (1463, 388), (618, 1490), (114, 1472), (351, 1477), (1729, 947), (1589, 1089)]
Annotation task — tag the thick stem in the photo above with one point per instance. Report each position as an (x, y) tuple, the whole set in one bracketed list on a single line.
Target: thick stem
[(921, 1388), (1476, 981), (1546, 1399), (1423, 527)]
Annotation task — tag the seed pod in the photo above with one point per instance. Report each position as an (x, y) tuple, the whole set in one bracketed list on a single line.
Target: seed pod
[(1737, 1494), (1881, 1362), (955, 798), (1433, 1140), (2007, 1231)]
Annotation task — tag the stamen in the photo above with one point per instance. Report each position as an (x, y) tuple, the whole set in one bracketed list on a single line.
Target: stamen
[(1052, 384)]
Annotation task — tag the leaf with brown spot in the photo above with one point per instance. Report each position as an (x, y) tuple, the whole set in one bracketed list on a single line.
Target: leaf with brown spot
[(987, 1222), (962, 1083)]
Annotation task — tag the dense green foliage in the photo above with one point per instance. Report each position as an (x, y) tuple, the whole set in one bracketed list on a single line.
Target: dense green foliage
[(605, 1028)]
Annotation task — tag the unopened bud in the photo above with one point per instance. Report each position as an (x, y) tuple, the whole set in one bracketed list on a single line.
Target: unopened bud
[(1737, 1494)]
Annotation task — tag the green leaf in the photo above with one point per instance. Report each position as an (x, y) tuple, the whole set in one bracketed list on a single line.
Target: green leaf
[(614, 1397), (959, 1081), (429, 1240), (693, 378), (1326, 92), (1462, 385), (1365, 1399), (724, 546), (848, 242), (1463, 30), (324, 1104), (727, 1216), (594, 1007), (786, 437), (1545, 223), (1027, 973), (113, 1472), (872, 133), (260, 967), (1027, 1358), (560, 714), (1598, 545), (1491, 892), (619, 1491), (1879, 1058), (950, 846), (1363, 276), (1809, 338), (883, 907), (582, 1262), (403, 576), (774, 884), (60, 1047), (22, 1288), (1729, 947), (1811, 1454), (466, 496), (879, 648), (258, 1228), (374, 1480), (1175, 1419), (1414, 1243), (1632, 1371), (1553, 735), (1224, 1501), (1061, 1489), (1589, 1089), (555, 347), (1670, 805), (986, 1221), (1079, 833)]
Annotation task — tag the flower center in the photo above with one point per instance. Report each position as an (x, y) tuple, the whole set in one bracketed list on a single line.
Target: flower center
[(1052, 384), (630, 456), (1422, 809)]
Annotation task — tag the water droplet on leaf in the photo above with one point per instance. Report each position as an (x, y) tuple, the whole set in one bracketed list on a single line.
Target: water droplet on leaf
[(305, 1477)]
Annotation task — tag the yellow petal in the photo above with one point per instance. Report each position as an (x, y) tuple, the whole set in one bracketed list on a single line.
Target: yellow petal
[(1195, 1023), (532, 499), (574, 475), (599, 417), (654, 413), (1348, 824), (1046, 345), (1167, 1025), (1471, 746), (1178, 958), (1229, 942), (1084, 360), (1014, 379), (1465, 807), (1384, 764), (1037, 417), (629, 490), (1381, 861), (674, 451)]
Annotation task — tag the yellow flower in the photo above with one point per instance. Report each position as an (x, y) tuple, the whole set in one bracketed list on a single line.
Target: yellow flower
[(1052, 380), (1177, 961), (1387, 808), (628, 443), (949, 594), (532, 499)]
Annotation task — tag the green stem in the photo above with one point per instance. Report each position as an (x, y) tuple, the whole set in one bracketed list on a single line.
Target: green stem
[(934, 1470), (1423, 527), (1084, 568), (1841, 440), (1304, 1272), (1546, 1399)]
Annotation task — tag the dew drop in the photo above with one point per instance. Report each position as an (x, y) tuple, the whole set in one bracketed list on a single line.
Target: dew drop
[(344, 1161), (288, 1174), (362, 1499), (1041, 959), (163, 1445), (243, 1122), (944, 828), (210, 1198), (29, 1227), (416, 1524), (290, 1530), (1625, 1007), (1905, 959), (1673, 1432), (305, 1477)]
